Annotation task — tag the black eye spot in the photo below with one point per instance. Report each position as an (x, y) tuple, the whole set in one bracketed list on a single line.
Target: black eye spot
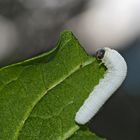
[(100, 54)]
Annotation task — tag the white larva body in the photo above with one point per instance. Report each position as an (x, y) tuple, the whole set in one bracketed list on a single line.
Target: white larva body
[(113, 78)]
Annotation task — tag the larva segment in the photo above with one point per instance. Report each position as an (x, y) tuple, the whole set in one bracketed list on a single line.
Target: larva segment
[(113, 78)]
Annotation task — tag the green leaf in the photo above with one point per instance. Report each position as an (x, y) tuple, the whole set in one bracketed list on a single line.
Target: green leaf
[(39, 97), (84, 135)]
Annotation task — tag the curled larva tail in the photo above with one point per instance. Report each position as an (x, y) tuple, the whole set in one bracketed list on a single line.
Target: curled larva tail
[(113, 78)]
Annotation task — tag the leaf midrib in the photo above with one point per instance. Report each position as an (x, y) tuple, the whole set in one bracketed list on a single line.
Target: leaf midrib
[(28, 112)]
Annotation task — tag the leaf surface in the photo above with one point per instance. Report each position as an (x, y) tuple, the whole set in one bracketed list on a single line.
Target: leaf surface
[(39, 97), (85, 135)]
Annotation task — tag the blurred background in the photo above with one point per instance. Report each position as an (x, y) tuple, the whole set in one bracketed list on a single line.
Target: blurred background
[(30, 27)]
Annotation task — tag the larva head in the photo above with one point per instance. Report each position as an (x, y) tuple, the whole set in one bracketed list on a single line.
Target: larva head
[(100, 54)]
